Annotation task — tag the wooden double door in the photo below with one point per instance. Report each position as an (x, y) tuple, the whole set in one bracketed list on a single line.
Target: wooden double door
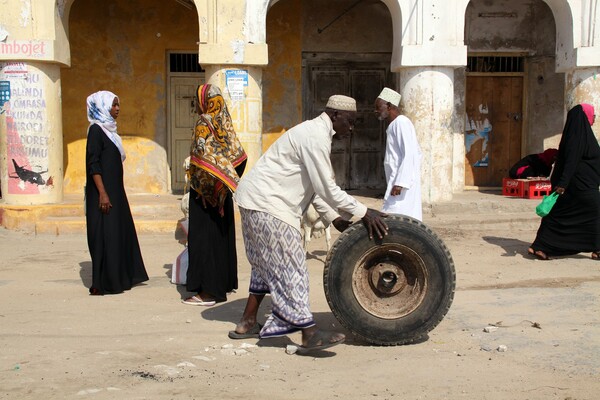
[(357, 161), (493, 131)]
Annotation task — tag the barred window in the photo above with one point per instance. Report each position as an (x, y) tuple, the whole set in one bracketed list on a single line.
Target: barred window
[(494, 64), (184, 62)]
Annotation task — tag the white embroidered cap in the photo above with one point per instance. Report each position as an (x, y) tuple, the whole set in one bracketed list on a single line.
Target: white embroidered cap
[(391, 96), (341, 103)]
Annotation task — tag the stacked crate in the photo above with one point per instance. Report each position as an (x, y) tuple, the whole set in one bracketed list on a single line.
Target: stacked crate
[(526, 188)]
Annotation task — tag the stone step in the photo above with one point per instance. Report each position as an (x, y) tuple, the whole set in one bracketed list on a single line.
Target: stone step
[(151, 214), (473, 211), (154, 224), (67, 225), (482, 222)]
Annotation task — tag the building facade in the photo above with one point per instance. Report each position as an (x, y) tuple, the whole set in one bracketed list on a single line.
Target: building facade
[(485, 82)]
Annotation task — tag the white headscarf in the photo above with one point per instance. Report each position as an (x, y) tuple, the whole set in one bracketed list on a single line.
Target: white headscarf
[(99, 105)]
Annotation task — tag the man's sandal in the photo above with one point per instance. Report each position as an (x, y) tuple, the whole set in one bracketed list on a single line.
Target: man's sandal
[(252, 333), (320, 340)]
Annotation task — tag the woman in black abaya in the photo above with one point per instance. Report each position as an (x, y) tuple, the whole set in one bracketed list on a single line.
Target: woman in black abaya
[(217, 160), (117, 263), (573, 225)]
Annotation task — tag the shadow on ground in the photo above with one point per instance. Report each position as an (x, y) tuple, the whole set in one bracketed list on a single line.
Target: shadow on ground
[(511, 246), (85, 273)]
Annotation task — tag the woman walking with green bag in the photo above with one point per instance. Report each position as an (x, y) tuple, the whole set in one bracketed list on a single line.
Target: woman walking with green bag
[(573, 224)]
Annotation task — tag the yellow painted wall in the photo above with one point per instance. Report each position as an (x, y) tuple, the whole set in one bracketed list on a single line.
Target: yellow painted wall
[(282, 78), (121, 46)]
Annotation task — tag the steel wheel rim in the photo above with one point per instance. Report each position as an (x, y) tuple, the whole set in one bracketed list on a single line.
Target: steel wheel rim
[(389, 281)]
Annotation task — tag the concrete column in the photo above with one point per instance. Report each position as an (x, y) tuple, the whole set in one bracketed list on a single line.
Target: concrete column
[(31, 133), (241, 86), (428, 101), (582, 86)]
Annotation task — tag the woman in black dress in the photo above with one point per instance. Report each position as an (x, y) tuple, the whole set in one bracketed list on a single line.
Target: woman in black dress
[(117, 263), (217, 161), (573, 225), (534, 165)]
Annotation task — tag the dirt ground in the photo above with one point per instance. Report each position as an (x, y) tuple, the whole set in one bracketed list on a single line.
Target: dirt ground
[(59, 343)]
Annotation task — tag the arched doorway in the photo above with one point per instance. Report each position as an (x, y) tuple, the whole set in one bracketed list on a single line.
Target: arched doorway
[(133, 48), (317, 49), (513, 97)]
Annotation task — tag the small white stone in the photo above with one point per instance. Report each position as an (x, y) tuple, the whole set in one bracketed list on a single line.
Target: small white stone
[(247, 346), (88, 391), (264, 366), (188, 321), (489, 329), (240, 352), (291, 349), (228, 352), (502, 348), (486, 347), (186, 364), (167, 369), (227, 346), (203, 358)]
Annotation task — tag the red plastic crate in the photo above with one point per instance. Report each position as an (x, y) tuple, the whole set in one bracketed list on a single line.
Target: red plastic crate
[(537, 189), (512, 187)]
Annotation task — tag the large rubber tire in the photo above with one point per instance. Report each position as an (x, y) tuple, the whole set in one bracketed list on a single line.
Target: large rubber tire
[(391, 291)]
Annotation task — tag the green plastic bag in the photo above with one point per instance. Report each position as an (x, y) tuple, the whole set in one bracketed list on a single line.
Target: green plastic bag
[(546, 205)]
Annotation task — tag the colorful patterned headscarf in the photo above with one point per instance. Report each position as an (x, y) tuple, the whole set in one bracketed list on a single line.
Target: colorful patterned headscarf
[(99, 105), (215, 149)]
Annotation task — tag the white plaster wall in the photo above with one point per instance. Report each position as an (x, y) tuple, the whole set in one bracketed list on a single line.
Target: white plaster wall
[(430, 34), (545, 109), (583, 86)]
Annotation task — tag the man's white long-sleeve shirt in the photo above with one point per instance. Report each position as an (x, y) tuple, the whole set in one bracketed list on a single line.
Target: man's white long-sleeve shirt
[(289, 174)]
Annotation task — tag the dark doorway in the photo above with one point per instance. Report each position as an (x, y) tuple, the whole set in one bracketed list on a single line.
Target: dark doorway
[(357, 161)]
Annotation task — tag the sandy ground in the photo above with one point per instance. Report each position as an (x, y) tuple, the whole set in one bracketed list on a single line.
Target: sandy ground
[(57, 342)]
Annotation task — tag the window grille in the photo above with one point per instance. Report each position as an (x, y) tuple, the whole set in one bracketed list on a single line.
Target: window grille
[(494, 64), (184, 62)]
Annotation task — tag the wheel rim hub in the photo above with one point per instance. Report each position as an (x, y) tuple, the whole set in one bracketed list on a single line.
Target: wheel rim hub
[(390, 281)]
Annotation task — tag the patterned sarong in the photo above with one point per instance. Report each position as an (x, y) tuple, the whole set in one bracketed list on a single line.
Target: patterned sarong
[(278, 259)]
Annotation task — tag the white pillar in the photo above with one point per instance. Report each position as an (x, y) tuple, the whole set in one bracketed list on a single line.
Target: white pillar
[(245, 107), (31, 133), (428, 101)]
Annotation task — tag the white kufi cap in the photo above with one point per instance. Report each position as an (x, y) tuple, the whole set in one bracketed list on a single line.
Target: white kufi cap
[(390, 96), (341, 103)]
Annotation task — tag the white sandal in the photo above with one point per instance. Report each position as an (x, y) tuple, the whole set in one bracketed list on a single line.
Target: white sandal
[(197, 301)]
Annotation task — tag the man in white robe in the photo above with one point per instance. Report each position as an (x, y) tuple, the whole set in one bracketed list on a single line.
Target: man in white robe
[(402, 162)]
